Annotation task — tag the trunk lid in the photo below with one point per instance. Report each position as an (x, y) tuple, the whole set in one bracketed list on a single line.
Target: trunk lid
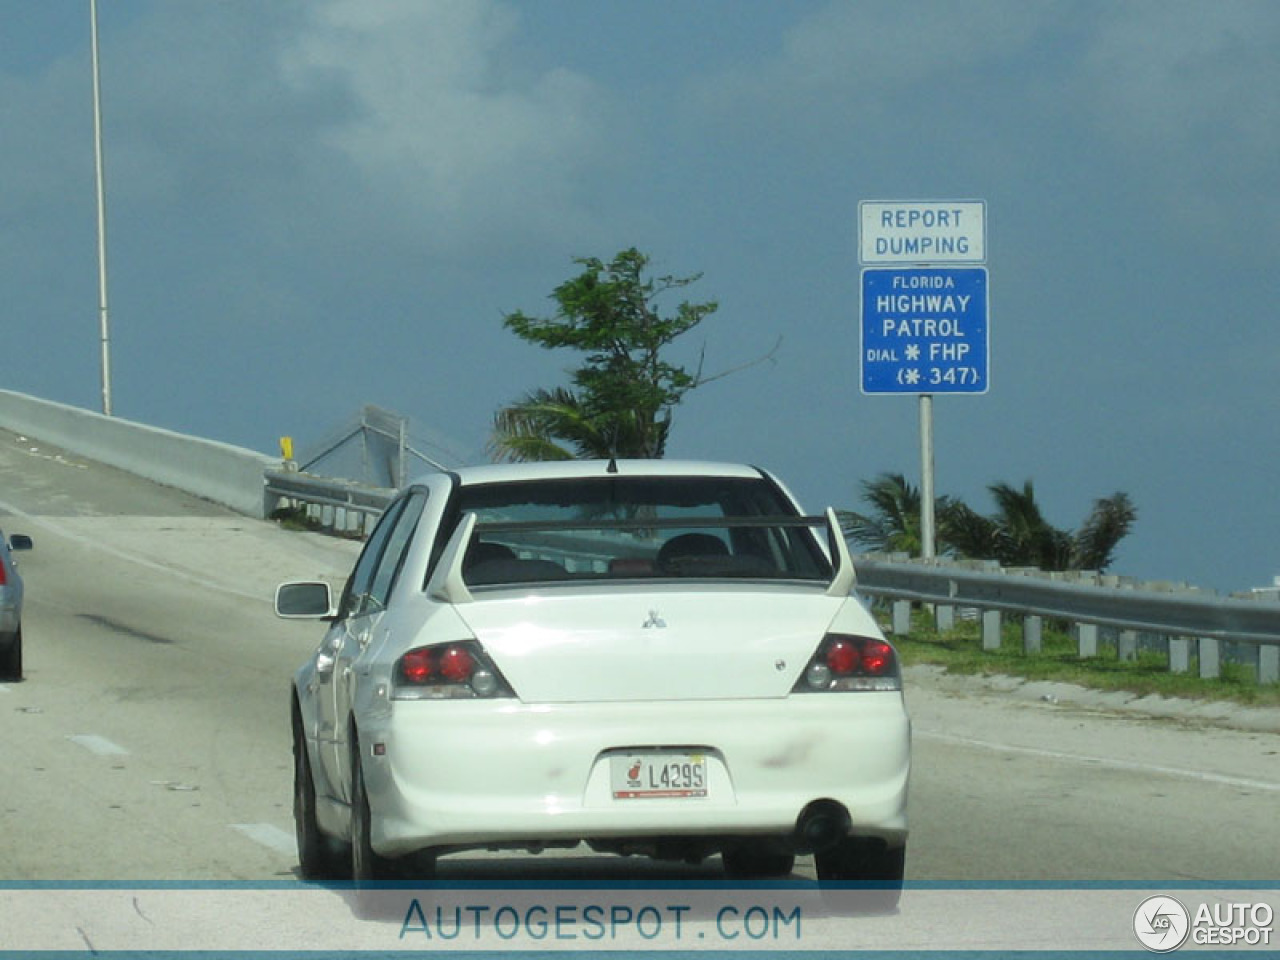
[(704, 642)]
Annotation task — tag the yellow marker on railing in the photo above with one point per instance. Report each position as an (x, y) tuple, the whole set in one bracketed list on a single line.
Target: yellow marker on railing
[(286, 448)]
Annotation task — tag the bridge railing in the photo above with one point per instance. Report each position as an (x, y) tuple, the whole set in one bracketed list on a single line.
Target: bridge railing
[(342, 506)]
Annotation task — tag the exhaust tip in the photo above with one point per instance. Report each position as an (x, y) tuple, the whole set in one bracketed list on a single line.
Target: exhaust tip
[(821, 825)]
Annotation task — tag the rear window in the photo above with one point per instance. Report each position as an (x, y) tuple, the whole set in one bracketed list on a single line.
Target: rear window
[(636, 528)]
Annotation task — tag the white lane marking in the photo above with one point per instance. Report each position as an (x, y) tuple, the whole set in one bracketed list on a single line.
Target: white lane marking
[(1082, 758), (99, 745), (269, 836)]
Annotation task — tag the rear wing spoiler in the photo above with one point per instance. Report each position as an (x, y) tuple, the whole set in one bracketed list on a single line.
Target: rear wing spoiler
[(843, 576), (448, 584)]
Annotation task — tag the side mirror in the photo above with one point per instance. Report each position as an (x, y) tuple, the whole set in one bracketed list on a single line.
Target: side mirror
[(306, 600), (20, 541)]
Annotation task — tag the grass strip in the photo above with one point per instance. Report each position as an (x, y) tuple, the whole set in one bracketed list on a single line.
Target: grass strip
[(960, 651)]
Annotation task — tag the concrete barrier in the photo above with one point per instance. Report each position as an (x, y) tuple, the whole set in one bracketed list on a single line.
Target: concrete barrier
[(225, 474)]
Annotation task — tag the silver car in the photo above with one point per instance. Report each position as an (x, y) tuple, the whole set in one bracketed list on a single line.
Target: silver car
[(11, 607)]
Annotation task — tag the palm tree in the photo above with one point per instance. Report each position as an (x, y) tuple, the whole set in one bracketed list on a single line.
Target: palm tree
[(1019, 536), (1023, 537), (893, 525), (531, 428), (966, 532), (1107, 524), (557, 425)]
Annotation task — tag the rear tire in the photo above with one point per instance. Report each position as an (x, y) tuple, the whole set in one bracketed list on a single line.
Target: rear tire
[(368, 867), (876, 868), (11, 662), (320, 857)]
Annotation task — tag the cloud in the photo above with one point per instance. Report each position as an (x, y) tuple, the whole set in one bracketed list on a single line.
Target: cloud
[(426, 121), (900, 46), (875, 56), (1165, 72), (1189, 91), (1170, 104), (451, 124)]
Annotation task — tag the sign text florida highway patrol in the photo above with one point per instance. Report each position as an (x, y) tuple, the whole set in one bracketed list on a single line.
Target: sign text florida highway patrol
[(924, 330)]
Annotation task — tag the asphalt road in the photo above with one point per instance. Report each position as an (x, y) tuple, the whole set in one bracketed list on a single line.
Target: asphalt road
[(150, 741)]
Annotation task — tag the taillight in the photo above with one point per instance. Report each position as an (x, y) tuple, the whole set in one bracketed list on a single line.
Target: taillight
[(877, 658), (846, 662), (841, 656), (3, 575), (447, 671), (457, 665), (417, 666)]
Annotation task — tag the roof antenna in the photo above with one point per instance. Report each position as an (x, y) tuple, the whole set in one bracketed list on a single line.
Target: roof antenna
[(613, 451)]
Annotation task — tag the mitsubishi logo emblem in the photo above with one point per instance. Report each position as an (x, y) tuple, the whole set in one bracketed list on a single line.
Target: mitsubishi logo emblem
[(655, 621)]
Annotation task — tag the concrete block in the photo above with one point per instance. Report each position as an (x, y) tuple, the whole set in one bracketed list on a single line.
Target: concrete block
[(1032, 634), (991, 626)]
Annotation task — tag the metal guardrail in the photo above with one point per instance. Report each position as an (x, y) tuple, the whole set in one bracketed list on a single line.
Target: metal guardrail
[(1195, 614), (1188, 618), (343, 506)]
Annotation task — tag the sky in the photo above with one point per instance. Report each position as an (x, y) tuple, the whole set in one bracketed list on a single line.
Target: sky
[(314, 205)]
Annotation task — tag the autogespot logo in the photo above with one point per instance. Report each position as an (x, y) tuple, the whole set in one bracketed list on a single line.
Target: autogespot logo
[(1161, 924)]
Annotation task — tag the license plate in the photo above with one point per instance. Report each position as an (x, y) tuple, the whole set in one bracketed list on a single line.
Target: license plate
[(638, 776)]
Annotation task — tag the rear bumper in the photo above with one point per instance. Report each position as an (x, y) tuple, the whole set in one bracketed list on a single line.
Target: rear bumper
[(472, 773)]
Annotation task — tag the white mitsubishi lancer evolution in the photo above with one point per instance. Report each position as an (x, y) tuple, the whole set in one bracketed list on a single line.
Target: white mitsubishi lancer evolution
[(650, 657)]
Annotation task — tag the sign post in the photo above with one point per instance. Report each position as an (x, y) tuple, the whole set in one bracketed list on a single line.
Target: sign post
[(924, 311)]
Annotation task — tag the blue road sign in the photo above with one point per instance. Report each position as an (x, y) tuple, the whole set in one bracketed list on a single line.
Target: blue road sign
[(924, 330)]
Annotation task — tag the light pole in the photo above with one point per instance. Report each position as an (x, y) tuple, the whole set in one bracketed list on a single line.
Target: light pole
[(104, 322)]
